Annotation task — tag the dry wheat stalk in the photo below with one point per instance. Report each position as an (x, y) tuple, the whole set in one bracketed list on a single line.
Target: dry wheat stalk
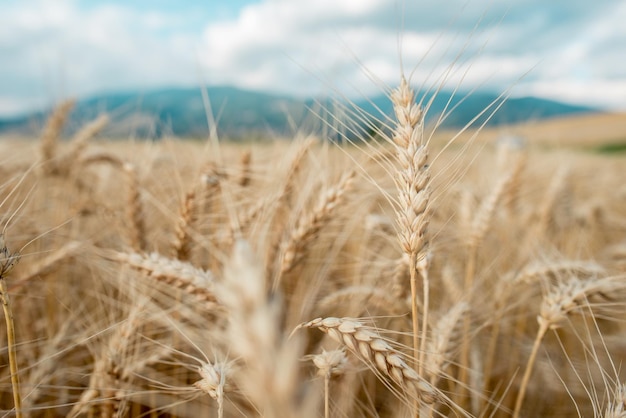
[(214, 382), (7, 262), (284, 201), (309, 225), (244, 220), (484, 215), (413, 176), (50, 135), (529, 276), (295, 167), (445, 338), (115, 367), (269, 379), (374, 351), (570, 295), (413, 211), (561, 300), (46, 368), (134, 211), (186, 219), (245, 172), (175, 273), (208, 204), (480, 225), (79, 142), (330, 364), (512, 156), (555, 190)]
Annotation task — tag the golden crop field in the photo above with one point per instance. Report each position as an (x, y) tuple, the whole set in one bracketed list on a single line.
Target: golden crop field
[(397, 277)]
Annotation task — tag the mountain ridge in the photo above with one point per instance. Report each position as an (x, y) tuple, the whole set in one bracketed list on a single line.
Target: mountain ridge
[(241, 113)]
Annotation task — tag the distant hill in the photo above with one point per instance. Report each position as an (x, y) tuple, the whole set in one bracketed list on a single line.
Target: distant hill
[(241, 113)]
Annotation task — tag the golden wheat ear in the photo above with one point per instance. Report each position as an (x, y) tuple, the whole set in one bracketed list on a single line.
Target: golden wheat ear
[(49, 142), (373, 350)]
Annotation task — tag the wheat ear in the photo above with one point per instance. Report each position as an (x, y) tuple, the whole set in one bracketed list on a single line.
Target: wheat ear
[(182, 245), (245, 173), (413, 184), (178, 274), (244, 220), (556, 188), (309, 225), (115, 367), (330, 364), (561, 300), (79, 143), (445, 336), (134, 211), (208, 204), (50, 135), (374, 351), (269, 379), (214, 383), (479, 228), (283, 202)]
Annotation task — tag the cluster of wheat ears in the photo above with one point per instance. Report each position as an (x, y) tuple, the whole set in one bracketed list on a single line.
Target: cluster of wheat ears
[(400, 276)]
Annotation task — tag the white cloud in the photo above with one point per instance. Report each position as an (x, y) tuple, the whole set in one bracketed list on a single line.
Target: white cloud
[(268, 38), (594, 92), (488, 43), (573, 48), (56, 49)]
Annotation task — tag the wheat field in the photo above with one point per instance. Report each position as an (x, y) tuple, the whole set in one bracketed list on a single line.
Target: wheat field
[(398, 276)]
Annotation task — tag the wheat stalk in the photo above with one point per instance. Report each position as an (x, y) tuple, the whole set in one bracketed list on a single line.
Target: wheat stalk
[(7, 262), (214, 382), (555, 190), (79, 143), (271, 360), (178, 274), (115, 367), (444, 337), (50, 135), (182, 244), (563, 299), (245, 162), (373, 350), (330, 364), (284, 200), (310, 224), (480, 225), (134, 211), (413, 212)]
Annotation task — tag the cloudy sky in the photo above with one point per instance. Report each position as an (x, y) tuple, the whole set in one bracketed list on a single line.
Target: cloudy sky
[(569, 50)]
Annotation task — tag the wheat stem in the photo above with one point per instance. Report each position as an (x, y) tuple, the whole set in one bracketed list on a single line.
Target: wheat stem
[(529, 368), (6, 264)]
